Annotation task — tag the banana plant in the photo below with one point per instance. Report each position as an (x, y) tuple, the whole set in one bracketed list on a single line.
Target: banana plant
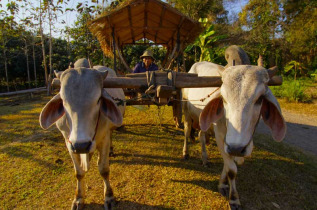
[(296, 67), (205, 40)]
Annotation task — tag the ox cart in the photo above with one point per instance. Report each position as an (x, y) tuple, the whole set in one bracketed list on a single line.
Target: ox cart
[(157, 23)]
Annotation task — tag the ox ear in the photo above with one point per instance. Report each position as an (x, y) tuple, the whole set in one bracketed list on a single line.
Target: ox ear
[(110, 109), (212, 112), (51, 112), (272, 116)]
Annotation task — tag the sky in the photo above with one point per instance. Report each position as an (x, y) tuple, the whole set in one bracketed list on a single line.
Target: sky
[(70, 17)]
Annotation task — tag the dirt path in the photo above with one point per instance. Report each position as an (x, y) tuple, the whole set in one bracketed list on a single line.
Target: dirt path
[(301, 131)]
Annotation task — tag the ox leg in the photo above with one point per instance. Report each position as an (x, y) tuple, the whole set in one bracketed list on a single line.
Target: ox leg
[(81, 165), (111, 153), (187, 133), (204, 155), (229, 172), (104, 170)]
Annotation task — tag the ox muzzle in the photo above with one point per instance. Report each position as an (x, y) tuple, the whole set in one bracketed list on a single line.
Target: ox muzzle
[(239, 150), (80, 148), (236, 150)]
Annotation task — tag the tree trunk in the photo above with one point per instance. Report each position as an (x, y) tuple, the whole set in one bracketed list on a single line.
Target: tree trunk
[(27, 63), (50, 53), (6, 67), (43, 46), (34, 65)]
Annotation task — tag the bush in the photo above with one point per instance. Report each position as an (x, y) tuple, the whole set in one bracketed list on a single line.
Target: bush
[(292, 90)]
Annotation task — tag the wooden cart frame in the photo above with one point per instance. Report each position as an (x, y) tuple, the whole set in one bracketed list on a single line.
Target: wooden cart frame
[(163, 25)]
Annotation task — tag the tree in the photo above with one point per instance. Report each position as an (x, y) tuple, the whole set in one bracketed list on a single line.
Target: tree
[(261, 21), (213, 10), (83, 43), (7, 26), (300, 29)]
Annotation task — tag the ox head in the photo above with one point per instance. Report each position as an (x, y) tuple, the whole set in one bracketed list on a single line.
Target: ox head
[(81, 101), (243, 97)]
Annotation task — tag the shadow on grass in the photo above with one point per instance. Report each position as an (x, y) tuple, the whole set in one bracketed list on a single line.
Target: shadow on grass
[(208, 185), (138, 129), (154, 160), (123, 205)]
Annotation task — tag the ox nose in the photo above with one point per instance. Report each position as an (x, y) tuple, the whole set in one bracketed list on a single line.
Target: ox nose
[(236, 150), (79, 148)]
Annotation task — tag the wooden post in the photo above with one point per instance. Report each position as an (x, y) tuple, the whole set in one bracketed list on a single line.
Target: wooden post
[(178, 49), (123, 60), (114, 51)]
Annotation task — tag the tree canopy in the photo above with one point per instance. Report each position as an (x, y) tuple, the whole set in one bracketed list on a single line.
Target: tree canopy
[(284, 32)]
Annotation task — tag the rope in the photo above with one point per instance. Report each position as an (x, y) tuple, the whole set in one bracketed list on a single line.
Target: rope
[(148, 96)]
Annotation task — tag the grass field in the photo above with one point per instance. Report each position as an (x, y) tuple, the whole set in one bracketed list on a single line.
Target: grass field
[(147, 171)]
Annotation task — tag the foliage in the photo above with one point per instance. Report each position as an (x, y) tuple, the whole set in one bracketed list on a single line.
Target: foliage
[(213, 10), (294, 90), (282, 31), (300, 29), (204, 42), (260, 21), (295, 68)]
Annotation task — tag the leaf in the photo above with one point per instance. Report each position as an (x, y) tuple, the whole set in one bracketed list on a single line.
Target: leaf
[(288, 68), (69, 9), (79, 5)]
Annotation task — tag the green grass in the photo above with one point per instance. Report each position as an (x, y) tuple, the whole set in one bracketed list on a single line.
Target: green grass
[(147, 172)]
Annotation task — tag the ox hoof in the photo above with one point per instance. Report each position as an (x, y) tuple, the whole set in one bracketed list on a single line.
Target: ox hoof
[(77, 205), (109, 204), (235, 207), (224, 190), (186, 157)]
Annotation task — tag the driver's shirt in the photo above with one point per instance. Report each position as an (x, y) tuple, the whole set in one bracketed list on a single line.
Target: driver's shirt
[(140, 67)]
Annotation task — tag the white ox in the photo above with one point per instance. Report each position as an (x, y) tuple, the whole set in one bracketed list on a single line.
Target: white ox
[(235, 110), (86, 115), (193, 106)]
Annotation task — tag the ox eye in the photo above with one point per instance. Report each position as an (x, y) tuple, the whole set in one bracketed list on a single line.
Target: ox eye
[(259, 101)]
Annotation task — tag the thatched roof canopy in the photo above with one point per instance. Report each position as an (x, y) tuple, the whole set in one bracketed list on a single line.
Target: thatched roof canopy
[(150, 19)]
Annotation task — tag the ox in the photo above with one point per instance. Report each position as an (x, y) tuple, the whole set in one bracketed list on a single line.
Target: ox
[(86, 115), (235, 109), (196, 99), (193, 106)]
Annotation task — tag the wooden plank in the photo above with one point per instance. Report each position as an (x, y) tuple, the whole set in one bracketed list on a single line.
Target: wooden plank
[(181, 82), (130, 21), (163, 74), (34, 90)]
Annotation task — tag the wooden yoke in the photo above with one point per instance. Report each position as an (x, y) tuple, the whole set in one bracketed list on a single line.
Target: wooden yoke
[(182, 80)]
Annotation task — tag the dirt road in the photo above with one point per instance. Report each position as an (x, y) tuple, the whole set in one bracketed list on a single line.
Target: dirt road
[(301, 131)]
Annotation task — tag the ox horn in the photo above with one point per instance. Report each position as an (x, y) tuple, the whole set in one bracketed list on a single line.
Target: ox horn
[(272, 71), (104, 74), (58, 74)]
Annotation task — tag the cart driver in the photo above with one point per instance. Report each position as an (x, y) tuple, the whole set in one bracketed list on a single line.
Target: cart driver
[(147, 63)]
